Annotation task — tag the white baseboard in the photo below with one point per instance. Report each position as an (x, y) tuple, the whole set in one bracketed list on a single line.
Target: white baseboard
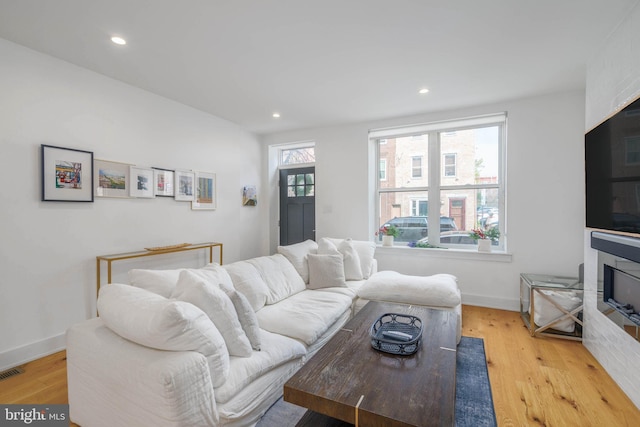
[(491, 302), (27, 353)]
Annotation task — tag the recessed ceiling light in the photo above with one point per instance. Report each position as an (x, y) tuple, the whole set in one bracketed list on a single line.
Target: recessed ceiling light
[(276, 115), (423, 91), (118, 40)]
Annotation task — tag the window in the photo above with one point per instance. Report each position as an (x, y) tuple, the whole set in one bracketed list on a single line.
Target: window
[(449, 165), (416, 167), (297, 156), (301, 185), (419, 207), (632, 150), (382, 172), (446, 173)]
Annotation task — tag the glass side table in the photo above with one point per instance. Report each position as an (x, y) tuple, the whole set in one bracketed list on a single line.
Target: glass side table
[(554, 301)]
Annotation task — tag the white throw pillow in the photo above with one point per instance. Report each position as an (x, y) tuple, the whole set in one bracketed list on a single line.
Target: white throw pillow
[(326, 271), (161, 282), (247, 317), (297, 255), (247, 280), (328, 246), (217, 305), (352, 268), (439, 290), (281, 277), (157, 322), (366, 250), (214, 273)]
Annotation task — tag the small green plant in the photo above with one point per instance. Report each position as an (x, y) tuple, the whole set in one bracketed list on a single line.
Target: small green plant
[(492, 234), (420, 244), (389, 230)]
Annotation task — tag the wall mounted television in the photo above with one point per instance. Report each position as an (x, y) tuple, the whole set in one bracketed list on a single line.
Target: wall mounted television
[(612, 173)]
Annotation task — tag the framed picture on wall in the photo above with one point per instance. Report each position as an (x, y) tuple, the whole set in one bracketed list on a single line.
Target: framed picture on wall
[(163, 180), (111, 179), (67, 174), (205, 191), (184, 186), (141, 182), (249, 195)]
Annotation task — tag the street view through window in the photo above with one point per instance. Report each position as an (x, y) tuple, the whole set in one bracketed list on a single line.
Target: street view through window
[(443, 175)]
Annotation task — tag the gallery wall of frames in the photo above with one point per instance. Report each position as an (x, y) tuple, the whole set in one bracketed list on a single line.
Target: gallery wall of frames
[(73, 175)]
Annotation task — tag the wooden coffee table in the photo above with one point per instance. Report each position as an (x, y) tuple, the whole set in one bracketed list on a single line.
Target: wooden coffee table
[(350, 381)]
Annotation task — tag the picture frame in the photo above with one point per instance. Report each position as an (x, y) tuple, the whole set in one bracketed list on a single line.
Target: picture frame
[(67, 174), (205, 194), (249, 195), (163, 182), (111, 179), (141, 182), (184, 186)]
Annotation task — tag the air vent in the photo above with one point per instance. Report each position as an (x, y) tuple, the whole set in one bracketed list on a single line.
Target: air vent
[(10, 373)]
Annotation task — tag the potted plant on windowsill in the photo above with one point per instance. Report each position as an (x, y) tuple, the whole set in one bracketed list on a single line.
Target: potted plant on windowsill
[(485, 238), (388, 232)]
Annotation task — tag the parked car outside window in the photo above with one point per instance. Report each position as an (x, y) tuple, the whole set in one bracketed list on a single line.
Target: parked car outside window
[(413, 228)]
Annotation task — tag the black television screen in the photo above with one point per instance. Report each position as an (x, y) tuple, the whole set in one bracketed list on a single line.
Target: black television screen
[(612, 172)]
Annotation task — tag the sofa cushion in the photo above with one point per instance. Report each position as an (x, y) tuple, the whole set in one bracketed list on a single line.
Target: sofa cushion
[(157, 322), (326, 271), (351, 259), (304, 316), (247, 317), (281, 277), (163, 282), (160, 282), (248, 281), (366, 251), (215, 273), (297, 255), (277, 349), (208, 297), (439, 290)]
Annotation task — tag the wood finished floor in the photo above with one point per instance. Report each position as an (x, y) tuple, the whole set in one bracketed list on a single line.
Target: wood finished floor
[(534, 381)]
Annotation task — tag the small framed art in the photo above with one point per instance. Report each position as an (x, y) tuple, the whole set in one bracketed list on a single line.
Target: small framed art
[(140, 182), (184, 186), (163, 181), (249, 195), (111, 179), (67, 174), (205, 191)]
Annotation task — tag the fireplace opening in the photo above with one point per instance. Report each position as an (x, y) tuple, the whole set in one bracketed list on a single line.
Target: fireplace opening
[(621, 296)]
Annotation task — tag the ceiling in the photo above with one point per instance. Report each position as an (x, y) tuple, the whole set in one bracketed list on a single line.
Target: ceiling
[(323, 62)]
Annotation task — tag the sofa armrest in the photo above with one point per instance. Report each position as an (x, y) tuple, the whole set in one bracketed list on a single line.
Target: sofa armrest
[(115, 382)]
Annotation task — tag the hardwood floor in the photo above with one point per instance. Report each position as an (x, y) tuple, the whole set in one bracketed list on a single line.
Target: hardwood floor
[(534, 381)]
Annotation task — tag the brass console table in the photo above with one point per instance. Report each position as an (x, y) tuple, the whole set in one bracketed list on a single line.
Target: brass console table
[(109, 259)]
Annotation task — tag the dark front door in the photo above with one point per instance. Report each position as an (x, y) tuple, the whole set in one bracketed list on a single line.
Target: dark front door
[(297, 205)]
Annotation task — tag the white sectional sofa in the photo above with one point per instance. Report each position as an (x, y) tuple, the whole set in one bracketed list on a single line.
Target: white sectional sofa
[(214, 346)]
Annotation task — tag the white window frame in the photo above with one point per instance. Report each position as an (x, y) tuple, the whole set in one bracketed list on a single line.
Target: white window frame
[(418, 168), (444, 165), (415, 205), (435, 187), (294, 146), (382, 171)]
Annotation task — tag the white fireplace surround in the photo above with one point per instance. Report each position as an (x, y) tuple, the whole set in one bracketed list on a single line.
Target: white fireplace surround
[(616, 351)]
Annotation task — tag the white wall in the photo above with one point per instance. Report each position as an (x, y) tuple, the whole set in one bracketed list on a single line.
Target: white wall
[(545, 196), (48, 249), (613, 80)]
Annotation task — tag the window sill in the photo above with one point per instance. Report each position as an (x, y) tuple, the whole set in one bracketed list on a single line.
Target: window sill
[(467, 254)]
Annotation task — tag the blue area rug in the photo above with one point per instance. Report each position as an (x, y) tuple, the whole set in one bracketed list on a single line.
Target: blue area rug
[(474, 402)]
